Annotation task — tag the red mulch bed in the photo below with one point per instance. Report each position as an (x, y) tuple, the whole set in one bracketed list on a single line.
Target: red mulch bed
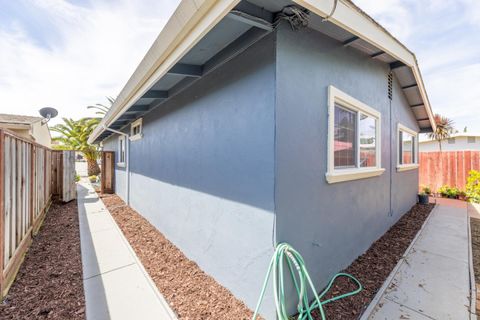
[(49, 283), (374, 266), (195, 295), (190, 292)]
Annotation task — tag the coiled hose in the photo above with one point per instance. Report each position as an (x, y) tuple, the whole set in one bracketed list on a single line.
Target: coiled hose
[(301, 279)]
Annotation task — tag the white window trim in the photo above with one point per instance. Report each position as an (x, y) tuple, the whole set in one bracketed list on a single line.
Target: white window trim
[(138, 122), (122, 138), (411, 166), (338, 175)]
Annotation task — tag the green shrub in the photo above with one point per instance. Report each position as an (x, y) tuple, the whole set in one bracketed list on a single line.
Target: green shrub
[(449, 192), (93, 178), (77, 177), (427, 190), (473, 186)]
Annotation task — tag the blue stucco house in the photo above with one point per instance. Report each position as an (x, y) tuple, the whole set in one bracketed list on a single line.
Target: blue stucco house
[(254, 122)]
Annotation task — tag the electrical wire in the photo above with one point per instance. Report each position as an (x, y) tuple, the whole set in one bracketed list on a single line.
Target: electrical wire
[(297, 17), (286, 255)]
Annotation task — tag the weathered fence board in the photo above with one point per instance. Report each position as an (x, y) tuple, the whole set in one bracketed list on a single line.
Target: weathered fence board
[(107, 182), (68, 181), (29, 176), (447, 168)]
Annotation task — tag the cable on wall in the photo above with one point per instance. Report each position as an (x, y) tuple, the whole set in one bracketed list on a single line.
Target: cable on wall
[(390, 97), (297, 18)]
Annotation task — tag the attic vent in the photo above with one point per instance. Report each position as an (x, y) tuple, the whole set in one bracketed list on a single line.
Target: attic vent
[(298, 18), (390, 85)]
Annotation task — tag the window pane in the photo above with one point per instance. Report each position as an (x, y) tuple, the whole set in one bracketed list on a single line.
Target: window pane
[(407, 148), (414, 151), (121, 151), (345, 138), (400, 146), (367, 131), (471, 140), (451, 141)]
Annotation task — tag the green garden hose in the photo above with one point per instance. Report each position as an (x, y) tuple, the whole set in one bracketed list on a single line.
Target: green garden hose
[(301, 279)]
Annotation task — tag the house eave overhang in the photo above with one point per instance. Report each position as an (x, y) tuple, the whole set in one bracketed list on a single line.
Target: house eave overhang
[(352, 19), (192, 21), (189, 23)]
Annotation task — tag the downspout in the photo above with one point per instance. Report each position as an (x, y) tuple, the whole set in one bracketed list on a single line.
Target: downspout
[(127, 160)]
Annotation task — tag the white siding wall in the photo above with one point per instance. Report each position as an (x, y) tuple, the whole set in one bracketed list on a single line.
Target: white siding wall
[(461, 144)]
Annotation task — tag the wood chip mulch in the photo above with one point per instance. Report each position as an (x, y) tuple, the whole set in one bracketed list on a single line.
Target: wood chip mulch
[(475, 230), (475, 238), (375, 265), (190, 292), (195, 295), (49, 283)]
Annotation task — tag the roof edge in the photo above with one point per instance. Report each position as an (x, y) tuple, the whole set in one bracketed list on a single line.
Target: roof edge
[(350, 17), (194, 18), (189, 23)]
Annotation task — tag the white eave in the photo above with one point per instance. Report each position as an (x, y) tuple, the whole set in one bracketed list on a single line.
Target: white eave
[(194, 20)]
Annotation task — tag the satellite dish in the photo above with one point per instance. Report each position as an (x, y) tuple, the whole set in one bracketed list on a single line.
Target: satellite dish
[(48, 113)]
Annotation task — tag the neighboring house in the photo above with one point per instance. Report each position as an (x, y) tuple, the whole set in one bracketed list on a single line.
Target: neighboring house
[(457, 142), (27, 127), (236, 131)]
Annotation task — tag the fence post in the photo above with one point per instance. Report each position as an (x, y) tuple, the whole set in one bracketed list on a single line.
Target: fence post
[(32, 183), (45, 200), (2, 208)]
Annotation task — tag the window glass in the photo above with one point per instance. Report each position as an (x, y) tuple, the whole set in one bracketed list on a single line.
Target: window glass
[(471, 140), (367, 131), (121, 150), (344, 138), (451, 141), (407, 142)]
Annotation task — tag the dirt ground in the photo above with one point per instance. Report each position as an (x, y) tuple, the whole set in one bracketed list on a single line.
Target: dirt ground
[(195, 295), (190, 292), (49, 283)]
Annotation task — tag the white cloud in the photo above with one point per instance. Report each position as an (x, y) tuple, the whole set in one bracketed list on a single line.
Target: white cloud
[(96, 49)]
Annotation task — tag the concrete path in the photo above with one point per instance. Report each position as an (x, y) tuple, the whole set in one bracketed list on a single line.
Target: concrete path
[(433, 280), (115, 282)]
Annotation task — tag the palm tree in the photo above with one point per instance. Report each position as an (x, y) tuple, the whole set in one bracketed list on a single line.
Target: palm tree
[(101, 108), (443, 131), (74, 136)]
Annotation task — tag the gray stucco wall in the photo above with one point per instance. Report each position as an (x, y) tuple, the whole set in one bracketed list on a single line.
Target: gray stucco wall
[(203, 173), (251, 139), (331, 224)]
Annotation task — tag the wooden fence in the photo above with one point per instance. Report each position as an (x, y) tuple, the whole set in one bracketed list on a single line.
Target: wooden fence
[(26, 189), (447, 168)]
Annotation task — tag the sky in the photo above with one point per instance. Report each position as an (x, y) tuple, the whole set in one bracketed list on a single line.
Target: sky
[(71, 54)]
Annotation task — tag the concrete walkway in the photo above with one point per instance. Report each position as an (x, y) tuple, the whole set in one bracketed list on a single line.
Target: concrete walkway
[(115, 282), (433, 280)]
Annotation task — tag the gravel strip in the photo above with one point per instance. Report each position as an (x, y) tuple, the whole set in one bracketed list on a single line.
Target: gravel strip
[(375, 265), (191, 293), (49, 283)]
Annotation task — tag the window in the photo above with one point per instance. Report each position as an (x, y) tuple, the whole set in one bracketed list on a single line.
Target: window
[(451, 140), (471, 140), (121, 151), (136, 130), (407, 158), (353, 139)]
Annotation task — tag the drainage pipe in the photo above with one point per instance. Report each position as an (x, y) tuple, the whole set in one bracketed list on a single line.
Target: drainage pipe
[(127, 160)]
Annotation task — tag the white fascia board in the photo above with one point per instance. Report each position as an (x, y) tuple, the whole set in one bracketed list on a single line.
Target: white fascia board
[(351, 19), (191, 21)]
